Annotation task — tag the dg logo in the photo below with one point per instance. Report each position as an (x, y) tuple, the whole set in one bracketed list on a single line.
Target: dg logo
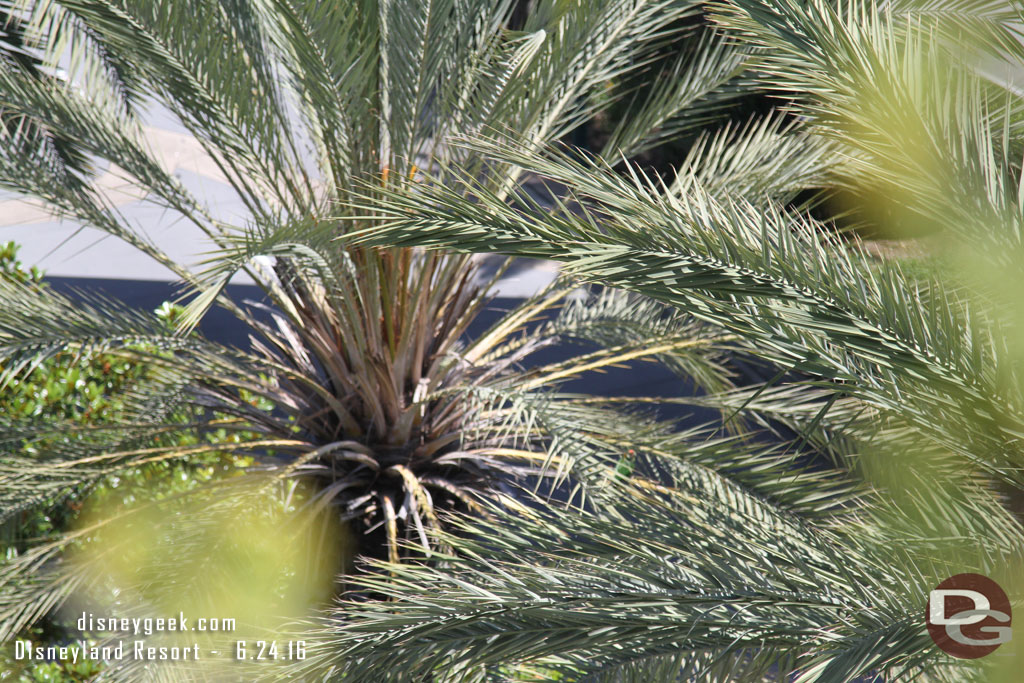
[(968, 616)]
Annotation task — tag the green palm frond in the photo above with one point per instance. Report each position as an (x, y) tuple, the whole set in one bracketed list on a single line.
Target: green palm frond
[(698, 88), (767, 157), (774, 278), (660, 586), (872, 74)]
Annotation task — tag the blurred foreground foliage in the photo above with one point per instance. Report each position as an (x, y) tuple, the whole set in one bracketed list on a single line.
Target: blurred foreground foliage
[(82, 390)]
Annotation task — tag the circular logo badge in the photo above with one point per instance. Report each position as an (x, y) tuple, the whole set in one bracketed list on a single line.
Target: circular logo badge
[(968, 616)]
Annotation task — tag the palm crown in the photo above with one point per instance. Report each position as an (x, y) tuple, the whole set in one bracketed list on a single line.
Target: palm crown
[(308, 108)]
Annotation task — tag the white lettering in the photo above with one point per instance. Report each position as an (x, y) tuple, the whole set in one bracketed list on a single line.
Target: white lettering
[(1001, 633), (937, 607)]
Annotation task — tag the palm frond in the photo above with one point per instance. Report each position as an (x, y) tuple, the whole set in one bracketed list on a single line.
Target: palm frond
[(665, 591), (810, 302)]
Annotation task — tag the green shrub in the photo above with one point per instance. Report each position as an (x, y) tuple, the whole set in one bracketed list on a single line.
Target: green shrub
[(87, 390)]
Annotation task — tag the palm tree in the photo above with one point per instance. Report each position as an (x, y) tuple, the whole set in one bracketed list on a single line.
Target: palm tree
[(306, 108), (913, 388)]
